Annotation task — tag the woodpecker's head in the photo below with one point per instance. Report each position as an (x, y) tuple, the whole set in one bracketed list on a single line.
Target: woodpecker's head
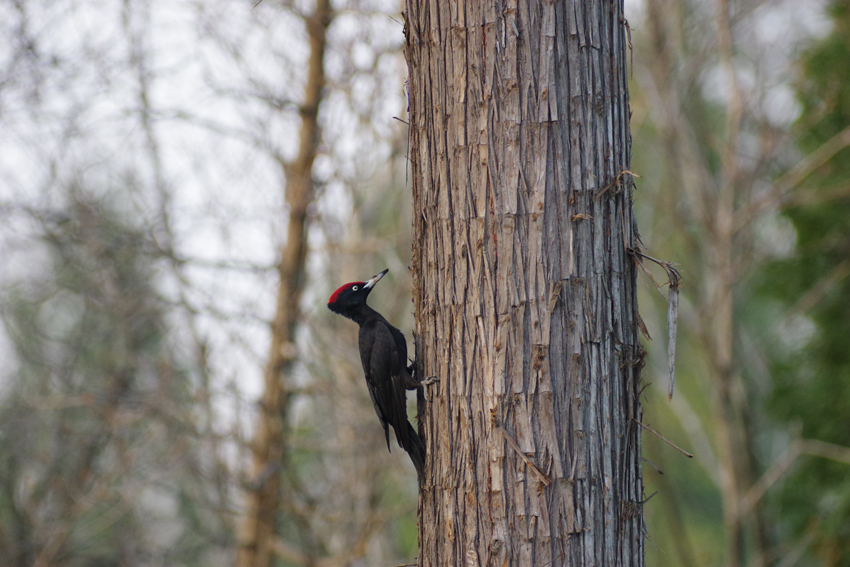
[(348, 298)]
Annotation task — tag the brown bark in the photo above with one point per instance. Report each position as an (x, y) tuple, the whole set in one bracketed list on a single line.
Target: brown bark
[(523, 283), (257, 532)]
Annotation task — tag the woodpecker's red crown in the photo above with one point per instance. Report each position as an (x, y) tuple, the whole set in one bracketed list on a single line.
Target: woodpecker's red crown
[(335, 295), (352, 294)]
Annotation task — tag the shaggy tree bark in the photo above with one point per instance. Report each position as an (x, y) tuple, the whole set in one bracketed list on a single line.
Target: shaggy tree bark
[(524, 284)]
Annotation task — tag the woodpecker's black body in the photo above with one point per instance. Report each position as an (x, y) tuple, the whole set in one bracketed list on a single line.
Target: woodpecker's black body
[(383, 353)]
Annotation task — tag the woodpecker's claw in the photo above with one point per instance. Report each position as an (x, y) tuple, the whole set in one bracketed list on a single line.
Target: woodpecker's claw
[(429, 380), (412, 383)]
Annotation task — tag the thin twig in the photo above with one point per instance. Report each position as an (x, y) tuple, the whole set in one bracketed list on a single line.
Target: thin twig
[(616, 182), (651, 430), (797, 447), (793, 178), (826, 450), (818, 291), (544, 478)]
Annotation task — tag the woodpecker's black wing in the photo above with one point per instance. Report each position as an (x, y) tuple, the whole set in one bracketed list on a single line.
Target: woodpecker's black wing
[(367, 343), (386, 376)]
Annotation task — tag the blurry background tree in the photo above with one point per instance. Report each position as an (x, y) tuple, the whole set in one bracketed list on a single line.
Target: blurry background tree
[(143, 205), (100, 454), (190, 112), (713, 103), (812, 379)]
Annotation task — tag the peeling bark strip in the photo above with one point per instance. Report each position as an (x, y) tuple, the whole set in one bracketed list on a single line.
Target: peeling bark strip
[(525, 295)]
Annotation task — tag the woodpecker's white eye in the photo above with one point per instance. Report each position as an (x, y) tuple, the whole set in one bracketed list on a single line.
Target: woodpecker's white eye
[(354, 288)]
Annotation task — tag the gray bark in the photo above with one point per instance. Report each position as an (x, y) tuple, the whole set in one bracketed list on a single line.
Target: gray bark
[(524, 287)]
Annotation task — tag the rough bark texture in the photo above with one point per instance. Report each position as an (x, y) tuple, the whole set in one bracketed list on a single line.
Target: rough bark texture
[(258, 529), (524, 286)]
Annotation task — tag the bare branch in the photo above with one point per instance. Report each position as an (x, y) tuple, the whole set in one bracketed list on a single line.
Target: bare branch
[(651, 430), (673, 279), (789, 182)]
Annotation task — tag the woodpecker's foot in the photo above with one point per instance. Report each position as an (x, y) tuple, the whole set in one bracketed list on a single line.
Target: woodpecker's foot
[(429, 380), (411, 383)]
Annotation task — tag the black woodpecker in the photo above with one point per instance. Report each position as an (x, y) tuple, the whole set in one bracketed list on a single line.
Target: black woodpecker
[(383, 353)]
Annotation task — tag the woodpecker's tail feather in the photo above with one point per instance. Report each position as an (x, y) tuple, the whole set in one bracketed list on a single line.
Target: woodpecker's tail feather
[(414, 446)]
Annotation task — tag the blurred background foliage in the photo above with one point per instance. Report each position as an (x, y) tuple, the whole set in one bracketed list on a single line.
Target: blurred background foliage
[(812, 383), (742, 136), (142, 182)]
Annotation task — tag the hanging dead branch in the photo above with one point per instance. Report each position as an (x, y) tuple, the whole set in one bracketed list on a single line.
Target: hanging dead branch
[(673, 279)]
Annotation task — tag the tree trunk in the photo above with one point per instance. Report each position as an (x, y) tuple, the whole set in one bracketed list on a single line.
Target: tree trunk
[(524, 287), (258, 529)]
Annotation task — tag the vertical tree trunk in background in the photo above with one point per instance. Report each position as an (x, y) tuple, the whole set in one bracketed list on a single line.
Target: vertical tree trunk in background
[(708, 220), (257, 531), (524, 286), (735, 446)]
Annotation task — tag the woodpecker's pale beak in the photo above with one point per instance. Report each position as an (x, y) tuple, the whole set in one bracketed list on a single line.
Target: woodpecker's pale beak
[(371, 283)]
